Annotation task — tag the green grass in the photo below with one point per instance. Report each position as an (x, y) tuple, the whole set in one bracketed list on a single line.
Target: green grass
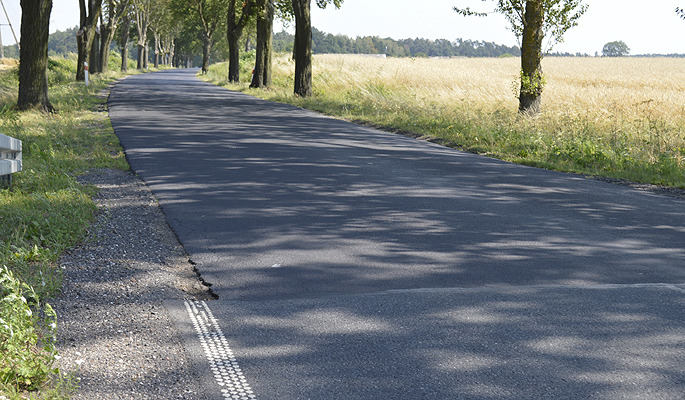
[(640, 147), (47, 211)]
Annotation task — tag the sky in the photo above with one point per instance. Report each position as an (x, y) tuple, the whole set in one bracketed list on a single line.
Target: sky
[(645, 26)]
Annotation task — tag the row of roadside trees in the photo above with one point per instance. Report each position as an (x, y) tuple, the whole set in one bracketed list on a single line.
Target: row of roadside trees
[(171, 23)]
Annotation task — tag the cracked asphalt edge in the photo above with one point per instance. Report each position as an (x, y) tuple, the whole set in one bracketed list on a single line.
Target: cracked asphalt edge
[(114, 333)]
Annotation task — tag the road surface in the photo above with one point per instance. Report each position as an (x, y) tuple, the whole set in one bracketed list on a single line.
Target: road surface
[(357, 264)]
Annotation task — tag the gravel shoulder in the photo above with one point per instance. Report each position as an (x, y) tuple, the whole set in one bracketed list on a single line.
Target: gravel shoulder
[(113, 331)]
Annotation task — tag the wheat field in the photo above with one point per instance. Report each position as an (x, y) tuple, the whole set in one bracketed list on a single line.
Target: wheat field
[(597, 88)]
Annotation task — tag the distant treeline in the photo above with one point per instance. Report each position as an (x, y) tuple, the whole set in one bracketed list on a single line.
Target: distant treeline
[(326, 43), (63, 43), (59, 44)]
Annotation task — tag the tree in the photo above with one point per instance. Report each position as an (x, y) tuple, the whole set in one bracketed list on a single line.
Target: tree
[(680, 12), (125, 30), (115, 11), (532, 21), (33, 55), (209, 12), (85, 37), (161, 27), (203, 17), (265, 22), (236, 24), (168, 32), (142, 10), (302, 50), (615, 49)]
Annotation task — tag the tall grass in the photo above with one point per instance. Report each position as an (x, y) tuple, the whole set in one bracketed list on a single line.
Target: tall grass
[(619, 117)]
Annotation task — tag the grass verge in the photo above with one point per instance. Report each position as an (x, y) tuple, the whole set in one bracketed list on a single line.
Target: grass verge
[(45, 212), (601, 117)]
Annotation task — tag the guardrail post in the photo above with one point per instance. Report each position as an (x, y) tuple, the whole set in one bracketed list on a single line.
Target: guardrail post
[(10, 159)]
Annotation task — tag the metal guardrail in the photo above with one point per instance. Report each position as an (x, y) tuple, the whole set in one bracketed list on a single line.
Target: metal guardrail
[(10, 159)]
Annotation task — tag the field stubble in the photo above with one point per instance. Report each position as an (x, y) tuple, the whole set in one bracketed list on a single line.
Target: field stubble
[(615, 117)]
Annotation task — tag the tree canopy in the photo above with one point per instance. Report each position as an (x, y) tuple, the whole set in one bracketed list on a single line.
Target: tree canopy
[(559, 16), (532, 21), (615, 49)]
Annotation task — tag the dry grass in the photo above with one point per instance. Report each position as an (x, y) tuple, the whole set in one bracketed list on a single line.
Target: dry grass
[(8, 63), (597, 88)]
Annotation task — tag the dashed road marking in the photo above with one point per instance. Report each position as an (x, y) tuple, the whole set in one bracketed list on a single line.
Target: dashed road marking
[(222, 361)]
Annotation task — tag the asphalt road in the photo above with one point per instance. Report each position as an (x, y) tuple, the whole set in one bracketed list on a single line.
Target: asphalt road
[(357, 264)]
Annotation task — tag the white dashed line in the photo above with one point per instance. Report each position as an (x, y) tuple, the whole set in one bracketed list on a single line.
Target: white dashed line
[(222, 362)]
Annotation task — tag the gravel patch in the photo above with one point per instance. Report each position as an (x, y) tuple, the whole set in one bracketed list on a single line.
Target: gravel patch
[(113, 331)]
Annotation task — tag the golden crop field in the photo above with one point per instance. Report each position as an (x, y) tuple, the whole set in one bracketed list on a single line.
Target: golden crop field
[(593, 87)]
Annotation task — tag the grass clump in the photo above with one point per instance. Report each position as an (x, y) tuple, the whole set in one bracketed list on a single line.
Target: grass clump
[(620, 118), (27, 334), (45, 212)]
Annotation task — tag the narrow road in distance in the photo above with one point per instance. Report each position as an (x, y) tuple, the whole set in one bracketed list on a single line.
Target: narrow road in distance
[(357, 264)]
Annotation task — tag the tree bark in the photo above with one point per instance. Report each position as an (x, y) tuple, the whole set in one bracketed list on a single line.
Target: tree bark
[(206, 50), (233, 34), (176, 57), (141, 54), (94, 57), (125, 26), (33, 57), (157, 48), (265, 22), (233, 60), (302, 50), (531, 58), (146, 56), (106, 37)]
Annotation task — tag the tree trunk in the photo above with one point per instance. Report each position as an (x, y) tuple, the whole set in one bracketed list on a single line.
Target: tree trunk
[(33, 57), (85, 35), (206, 50), (141, 54), (125, 26), (175, 59), (107, 32), (106, 37), (233, 34), (83, 38), (94, 57), (156, 37), (172, 53), (265, 22), (531, 58), (303, 48), (233, 60)]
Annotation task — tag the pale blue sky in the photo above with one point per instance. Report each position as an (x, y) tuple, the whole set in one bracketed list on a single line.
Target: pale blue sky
[(646, 26)]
